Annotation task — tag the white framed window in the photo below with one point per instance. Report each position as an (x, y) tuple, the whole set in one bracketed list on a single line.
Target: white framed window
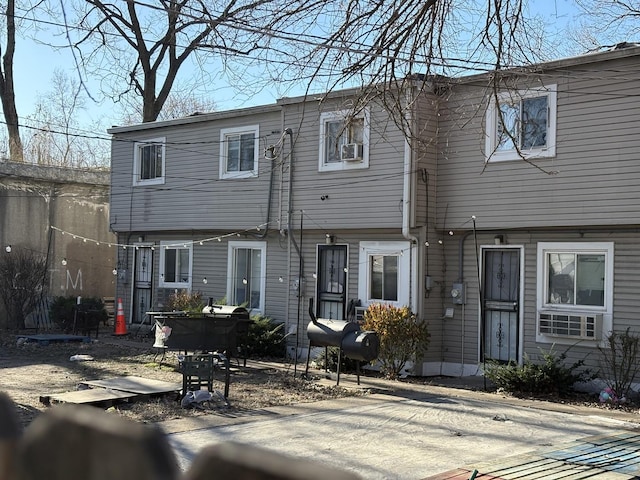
[(384, 273), (149, 162), (521, 123), (574, 290), (176, 263), (344, 141), (246, 280), (239, 152)]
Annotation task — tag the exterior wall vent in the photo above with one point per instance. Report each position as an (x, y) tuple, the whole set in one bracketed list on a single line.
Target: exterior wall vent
[(583, 326)]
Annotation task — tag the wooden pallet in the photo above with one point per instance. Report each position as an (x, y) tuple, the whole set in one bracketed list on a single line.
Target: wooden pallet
[(108, 392), (137, 385), (92, 396)]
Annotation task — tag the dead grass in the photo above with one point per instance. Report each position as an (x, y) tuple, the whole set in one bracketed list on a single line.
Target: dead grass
[(31, 371)]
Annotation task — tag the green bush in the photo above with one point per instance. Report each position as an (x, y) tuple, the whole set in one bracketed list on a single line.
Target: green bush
[(265, 338), (62, 311), (402, 336), (550, 375), (329, 361)]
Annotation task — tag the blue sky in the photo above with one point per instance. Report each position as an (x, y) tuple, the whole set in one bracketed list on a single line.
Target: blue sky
[(35, 65)]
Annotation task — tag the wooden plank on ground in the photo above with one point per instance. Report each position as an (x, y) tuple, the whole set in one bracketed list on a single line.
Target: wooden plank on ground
[(139, 385), (88, 397)]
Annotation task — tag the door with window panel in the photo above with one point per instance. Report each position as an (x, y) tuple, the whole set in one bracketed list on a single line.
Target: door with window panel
[(501, 304), (143, 277), (331, 277), (247, 277)]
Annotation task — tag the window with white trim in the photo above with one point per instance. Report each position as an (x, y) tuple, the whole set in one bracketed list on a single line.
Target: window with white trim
[(344, 140), (239, 152), (384, 273), (521, 124), (149, 162), (575, 284), (176, 263), (246, 281)]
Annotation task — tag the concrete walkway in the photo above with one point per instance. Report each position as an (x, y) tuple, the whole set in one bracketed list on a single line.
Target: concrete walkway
[(405, 431)]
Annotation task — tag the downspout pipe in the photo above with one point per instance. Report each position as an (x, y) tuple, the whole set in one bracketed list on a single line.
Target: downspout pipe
[(407, 205)]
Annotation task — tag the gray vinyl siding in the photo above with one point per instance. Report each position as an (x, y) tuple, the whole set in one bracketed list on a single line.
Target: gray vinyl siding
[(210, 260), (598, 140), (358, 198), (193, 195), (626, 277)]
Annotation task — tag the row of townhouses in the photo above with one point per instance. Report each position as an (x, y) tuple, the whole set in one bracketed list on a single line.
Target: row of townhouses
[(508, 218)]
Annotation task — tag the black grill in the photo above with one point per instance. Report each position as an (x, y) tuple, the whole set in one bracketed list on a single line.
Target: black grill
[(351, 341)]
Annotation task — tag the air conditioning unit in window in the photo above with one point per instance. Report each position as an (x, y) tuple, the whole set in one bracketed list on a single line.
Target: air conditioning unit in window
[(582, 326), (351, 152)]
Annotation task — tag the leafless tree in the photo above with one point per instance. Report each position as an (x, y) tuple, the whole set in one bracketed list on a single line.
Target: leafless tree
[(607, 24), (7, 92), (55, 136), (320, 44), (23, 275), (179, 103)]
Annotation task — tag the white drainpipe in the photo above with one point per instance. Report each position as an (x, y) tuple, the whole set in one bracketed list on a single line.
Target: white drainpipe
[(415, 300)]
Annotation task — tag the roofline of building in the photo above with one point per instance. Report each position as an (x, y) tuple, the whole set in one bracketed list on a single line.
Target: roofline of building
[(585, 59), (196, 118), (589, 58)]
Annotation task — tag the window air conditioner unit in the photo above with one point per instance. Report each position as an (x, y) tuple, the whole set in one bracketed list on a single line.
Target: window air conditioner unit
[(582, 326), (351, 152)]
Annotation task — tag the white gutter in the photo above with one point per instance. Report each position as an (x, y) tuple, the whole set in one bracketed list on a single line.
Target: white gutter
[(415, 301)]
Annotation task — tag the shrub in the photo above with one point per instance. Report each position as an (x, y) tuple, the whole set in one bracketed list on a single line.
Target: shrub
[(402, 336), (619, 362), (550, 376), (265, 338), (185, 301), (62, 311), (329, 361)]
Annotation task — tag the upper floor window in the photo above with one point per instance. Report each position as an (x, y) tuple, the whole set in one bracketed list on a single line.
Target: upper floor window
[(246, 280), (176, 261), (148, 162), (239, 150), (521, 124), (344, 140), (384, 273)]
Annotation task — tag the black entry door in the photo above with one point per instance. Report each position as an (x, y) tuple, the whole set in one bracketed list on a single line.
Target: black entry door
[(331, 281), (501, 304)]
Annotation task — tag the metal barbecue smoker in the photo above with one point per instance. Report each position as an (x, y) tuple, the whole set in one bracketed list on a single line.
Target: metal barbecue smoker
[(352, 342)]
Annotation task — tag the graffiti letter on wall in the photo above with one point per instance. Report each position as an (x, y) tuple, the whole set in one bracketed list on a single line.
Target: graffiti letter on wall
[(74, 285)]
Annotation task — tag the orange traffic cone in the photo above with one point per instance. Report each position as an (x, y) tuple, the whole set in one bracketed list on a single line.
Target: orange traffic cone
[(121, 324)]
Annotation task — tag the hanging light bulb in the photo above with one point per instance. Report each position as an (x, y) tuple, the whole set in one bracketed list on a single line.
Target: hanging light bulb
[(64, 262), (280, 279), (244, 281), (205, 281), (7, 249), (114, 271)]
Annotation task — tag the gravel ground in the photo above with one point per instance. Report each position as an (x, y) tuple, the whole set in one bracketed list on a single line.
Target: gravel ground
[(31, 370)]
